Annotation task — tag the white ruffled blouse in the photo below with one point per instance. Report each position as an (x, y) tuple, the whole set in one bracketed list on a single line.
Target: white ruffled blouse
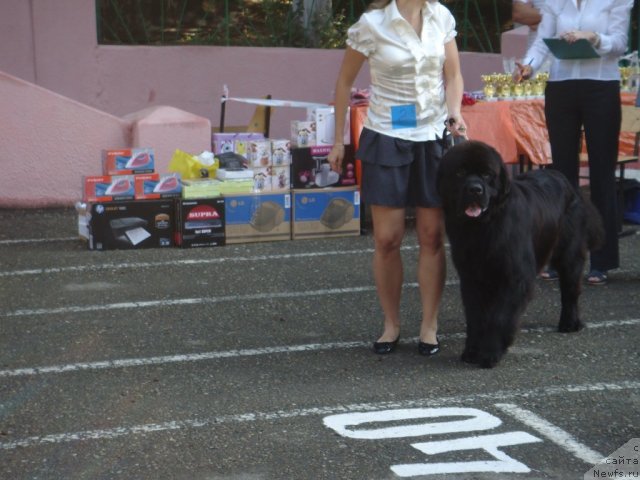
[(407, 86), (609, 18)]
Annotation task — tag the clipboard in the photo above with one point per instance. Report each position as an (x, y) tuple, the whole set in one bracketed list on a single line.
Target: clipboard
[(564, 50)]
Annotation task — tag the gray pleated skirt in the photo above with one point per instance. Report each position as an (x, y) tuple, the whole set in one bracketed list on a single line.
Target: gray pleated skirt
[(398, 173)]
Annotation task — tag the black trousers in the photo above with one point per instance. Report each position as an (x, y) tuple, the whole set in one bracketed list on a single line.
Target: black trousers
[(594, 104)]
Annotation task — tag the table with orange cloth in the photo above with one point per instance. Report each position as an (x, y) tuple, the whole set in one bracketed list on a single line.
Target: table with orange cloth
[(627, 139), (517, 128), (513, 127)]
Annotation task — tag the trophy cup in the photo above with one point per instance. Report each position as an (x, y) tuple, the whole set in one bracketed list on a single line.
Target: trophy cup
[(528, 89), (625, 75), (518, 90), (539, 84), (489, 88), (504, 89)]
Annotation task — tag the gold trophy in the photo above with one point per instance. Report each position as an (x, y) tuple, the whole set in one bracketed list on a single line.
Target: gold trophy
[(539, 84), (528, 88), (544, 77), (518, 90), (504, 89), (489, 88), (625, 74)]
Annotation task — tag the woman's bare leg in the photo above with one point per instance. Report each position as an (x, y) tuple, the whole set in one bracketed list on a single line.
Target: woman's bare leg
[(431, 269), (388, 231)]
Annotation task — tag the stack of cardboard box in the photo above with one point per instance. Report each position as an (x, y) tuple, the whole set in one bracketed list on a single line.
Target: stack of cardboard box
[(326, 202), (130, 206), (275, 189)]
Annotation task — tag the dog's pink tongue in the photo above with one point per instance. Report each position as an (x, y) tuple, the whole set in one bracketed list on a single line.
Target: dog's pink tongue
[(473, 211)]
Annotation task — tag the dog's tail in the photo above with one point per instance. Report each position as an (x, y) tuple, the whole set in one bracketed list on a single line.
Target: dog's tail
[(595, 226)]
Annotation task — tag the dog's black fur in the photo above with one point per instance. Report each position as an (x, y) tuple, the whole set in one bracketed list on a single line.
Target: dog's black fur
[(502, 232)]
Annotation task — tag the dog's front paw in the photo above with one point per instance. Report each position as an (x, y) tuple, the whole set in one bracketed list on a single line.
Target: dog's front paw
[(469, 356), (573, 325), (489, 359)]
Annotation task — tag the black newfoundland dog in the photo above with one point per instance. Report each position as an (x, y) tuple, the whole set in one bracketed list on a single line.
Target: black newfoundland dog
[(502, 232)]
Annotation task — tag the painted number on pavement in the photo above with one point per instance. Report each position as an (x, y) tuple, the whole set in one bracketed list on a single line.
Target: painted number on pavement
[(424, 421)]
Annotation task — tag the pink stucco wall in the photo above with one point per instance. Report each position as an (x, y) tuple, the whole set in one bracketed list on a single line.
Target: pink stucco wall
[(48, 142), (53, 45)]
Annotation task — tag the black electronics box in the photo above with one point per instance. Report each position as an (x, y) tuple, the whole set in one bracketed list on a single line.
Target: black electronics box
[(200, 222), (131, 224), (310, 168)]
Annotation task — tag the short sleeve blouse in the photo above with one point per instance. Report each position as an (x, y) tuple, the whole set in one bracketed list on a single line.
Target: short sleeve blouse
[(407, 85)]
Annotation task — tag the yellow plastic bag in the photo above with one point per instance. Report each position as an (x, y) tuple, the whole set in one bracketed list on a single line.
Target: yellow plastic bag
[(192, 166)]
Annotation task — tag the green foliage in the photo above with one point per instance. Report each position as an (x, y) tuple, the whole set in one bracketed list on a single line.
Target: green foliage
[(278, 23)]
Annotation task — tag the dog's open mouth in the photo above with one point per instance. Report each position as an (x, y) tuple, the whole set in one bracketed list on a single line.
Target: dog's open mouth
[(474, 210)]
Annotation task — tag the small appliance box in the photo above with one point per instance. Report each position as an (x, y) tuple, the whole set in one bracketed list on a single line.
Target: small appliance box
[(325, 120), (280, 152), (262, 217), (310, 168), (261, 179), (303, 133), (331, 212), (233, 141), (280, 178), (107, 188), (155, 185), (258, 153), (131, 225), (127, 161), (200, 222)]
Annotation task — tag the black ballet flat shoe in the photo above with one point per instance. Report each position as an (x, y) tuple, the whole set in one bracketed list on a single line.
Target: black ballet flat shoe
[(428, 349), (382, 348)]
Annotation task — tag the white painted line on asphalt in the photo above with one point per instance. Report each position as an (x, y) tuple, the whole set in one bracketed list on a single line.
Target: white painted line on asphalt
[(589, 325), (183, 301), (249, 352), (176, 263), (194, 357), (18, 241), (110, 433), (186, 262), (551, 432), (195, 301)]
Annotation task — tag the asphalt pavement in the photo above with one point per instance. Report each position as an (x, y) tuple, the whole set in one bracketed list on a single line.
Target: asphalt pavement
[(254, 362)]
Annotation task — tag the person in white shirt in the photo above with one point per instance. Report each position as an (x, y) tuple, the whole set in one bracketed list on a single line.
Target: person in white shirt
[(585, 92), (416, 87), (527, 12)]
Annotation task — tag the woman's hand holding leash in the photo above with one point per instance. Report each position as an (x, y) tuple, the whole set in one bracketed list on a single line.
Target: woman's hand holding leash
[(456, 126)]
